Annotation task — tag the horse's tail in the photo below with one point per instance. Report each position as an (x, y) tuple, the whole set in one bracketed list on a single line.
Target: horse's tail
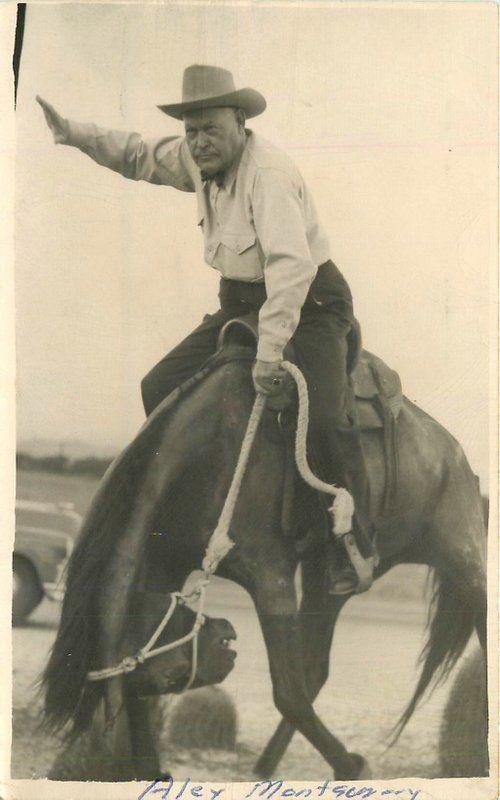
[(450, 626)]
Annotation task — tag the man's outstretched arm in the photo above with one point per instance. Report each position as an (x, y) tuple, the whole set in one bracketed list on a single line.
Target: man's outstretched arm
[(162, 161)]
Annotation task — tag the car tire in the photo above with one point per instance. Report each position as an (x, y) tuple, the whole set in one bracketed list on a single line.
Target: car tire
[(26, 590)]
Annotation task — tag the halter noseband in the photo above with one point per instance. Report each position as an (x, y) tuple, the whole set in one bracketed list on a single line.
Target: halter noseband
[(130, 663)]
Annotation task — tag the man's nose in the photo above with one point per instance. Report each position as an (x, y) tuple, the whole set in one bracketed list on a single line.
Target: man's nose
[(201, 141)]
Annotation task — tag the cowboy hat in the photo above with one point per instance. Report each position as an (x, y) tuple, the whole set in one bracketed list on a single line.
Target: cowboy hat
[(213, 87)]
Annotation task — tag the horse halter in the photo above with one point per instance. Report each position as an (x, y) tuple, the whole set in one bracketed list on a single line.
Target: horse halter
[(130, 663)]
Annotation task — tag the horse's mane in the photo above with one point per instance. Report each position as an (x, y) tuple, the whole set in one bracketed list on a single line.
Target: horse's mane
[(68, 696)]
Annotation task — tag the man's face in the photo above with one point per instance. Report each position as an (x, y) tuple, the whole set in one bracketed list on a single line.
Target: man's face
[(214, 137)]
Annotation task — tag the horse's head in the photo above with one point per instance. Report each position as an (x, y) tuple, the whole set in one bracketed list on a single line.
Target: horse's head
[(170, 671)]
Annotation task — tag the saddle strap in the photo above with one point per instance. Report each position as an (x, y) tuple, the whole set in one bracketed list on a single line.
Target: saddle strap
[(390, 445)]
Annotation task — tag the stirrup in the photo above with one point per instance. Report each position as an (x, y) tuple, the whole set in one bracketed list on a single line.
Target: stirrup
[(342, 582), (363, 567)]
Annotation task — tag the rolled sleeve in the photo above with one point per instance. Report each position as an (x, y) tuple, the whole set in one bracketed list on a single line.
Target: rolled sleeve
[(162, 161), (289, 268)]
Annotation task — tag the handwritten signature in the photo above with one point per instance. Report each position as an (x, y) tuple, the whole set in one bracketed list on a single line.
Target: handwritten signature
[(162, 789), (268, 789)]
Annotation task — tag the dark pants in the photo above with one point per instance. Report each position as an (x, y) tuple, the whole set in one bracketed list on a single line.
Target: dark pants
[(321, 348)]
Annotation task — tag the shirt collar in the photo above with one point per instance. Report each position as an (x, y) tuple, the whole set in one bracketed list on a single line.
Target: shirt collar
[(230, 176)]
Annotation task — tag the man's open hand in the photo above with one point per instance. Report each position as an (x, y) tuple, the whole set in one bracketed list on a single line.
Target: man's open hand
[(57, 124)]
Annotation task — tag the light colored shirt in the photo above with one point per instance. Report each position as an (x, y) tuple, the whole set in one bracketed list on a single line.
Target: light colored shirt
[(261, 224)]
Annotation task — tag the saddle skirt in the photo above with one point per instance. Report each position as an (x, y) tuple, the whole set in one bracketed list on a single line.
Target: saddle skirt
[(376, 387)]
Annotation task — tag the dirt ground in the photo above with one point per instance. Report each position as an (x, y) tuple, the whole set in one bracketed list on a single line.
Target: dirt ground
[(374, 671)]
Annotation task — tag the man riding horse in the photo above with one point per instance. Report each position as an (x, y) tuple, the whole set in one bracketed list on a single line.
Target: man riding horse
[(262, 233)]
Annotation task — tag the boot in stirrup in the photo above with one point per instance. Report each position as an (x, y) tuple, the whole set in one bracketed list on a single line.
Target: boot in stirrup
[(349, 570)]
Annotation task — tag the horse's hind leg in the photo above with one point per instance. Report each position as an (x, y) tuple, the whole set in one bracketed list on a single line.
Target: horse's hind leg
[(318, 615)]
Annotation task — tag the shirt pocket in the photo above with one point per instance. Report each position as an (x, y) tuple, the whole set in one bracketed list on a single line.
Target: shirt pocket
[(238, 242), (238, 256)]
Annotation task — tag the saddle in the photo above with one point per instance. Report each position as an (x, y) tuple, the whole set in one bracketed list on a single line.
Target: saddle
[(376, 398)]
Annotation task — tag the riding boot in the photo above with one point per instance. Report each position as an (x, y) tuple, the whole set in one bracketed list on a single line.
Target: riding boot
[(343, 578)]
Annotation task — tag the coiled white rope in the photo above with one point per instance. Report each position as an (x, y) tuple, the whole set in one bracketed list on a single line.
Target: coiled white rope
[(342, 509), (220, 544)]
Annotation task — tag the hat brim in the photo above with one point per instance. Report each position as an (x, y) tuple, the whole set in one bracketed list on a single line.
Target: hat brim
[(251, 101)]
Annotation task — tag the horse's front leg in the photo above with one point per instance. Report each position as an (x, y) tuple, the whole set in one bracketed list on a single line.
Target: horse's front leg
[(276, 603), (318, 615), (146, 762), (125, 735)]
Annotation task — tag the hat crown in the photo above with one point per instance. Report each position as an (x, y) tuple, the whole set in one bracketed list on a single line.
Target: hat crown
[(201, 81), (205, 86)]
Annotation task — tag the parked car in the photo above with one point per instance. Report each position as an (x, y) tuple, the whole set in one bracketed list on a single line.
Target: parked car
[(43, 542)]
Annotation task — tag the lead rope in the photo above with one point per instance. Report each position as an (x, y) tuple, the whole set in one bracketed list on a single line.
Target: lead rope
[(220, 544)]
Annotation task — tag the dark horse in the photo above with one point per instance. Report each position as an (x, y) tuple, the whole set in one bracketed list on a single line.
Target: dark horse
[(174, 478)]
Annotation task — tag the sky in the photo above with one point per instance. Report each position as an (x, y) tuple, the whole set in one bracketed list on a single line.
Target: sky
[(388, 111)]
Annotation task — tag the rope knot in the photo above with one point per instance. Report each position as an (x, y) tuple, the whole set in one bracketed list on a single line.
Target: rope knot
[(129, 663), (342, 510)]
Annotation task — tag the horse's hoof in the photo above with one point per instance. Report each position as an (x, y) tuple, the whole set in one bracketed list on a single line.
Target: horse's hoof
[(356, 769), (365, 774)]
